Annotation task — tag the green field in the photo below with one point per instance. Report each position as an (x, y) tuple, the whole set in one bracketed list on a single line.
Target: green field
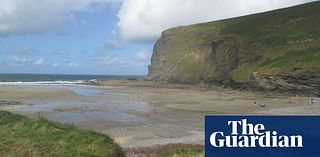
[(24, 137)]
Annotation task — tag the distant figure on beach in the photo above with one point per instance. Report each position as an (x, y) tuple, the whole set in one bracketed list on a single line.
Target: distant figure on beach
[(260, 105), (312, 101)]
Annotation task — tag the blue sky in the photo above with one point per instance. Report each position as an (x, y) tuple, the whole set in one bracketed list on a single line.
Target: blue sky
[(89, 44), (101, 36)]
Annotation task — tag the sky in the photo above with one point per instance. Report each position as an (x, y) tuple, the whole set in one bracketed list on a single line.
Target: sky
[(109, 37)]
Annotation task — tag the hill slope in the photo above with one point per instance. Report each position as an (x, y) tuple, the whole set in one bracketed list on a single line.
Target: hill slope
[(273, 50), (21, 136)]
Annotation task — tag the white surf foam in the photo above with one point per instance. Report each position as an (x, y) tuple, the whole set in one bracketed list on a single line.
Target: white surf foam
[(43, 83)]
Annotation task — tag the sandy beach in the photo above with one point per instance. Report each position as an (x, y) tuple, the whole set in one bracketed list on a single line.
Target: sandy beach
[(145, 116)]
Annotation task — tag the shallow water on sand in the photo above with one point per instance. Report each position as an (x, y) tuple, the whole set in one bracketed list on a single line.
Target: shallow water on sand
[(89, 91), (130, 117), (88, 108), (136, 116)]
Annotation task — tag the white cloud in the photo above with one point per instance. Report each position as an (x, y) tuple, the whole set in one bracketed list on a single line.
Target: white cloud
[(144, 20), (17, 61), (72, 64), (65, 64), (24, 61), (114, 61), (110, 60), (19, 17), (39, 61), (142, 56)]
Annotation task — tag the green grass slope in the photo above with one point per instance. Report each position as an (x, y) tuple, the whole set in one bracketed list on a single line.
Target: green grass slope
[(276, 43), (288, 38), (20, 136)]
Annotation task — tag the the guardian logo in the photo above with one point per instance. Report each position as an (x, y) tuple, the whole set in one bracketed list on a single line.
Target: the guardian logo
[(262, 136), (246, 135)]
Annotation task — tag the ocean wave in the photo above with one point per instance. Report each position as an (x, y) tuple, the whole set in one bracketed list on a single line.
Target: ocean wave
[(44, 83)]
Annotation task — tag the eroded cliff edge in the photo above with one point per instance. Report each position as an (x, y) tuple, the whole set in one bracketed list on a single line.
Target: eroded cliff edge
[(278, 50)]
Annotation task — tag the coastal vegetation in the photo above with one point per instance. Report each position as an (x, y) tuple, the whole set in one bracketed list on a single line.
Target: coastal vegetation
[(169, 150), (183, 152), (21, 136)]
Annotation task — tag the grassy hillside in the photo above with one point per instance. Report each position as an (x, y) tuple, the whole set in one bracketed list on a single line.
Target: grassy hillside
[(287, 39), (284, 42), (20, 136)]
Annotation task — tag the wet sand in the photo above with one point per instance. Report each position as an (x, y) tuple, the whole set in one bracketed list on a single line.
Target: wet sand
[(145, 116)]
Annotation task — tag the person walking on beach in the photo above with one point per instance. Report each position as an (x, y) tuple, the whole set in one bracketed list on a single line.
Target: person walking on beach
[(312, 101)]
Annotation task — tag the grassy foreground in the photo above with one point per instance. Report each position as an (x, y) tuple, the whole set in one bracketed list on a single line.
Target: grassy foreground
[(24, 137), (170, 150), (182, 152)]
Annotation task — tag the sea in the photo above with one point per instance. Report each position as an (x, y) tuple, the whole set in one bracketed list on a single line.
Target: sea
[(58, 79)]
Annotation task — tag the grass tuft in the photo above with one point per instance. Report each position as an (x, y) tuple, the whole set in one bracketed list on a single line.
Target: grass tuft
[(21, 136)]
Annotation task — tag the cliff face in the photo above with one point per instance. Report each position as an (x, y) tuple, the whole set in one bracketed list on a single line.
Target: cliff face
[(190, 54), (273, 50)]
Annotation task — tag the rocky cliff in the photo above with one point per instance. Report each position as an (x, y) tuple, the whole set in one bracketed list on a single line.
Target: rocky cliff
[(277, 50)]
